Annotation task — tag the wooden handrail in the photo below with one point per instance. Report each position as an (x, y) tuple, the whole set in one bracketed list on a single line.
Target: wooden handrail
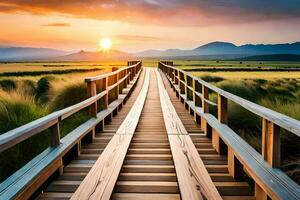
[(95, 78), (22, 133), (268, 181), (281, 120), (26, 131)]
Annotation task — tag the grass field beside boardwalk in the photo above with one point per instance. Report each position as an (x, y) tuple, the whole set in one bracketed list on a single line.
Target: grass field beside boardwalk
[(250, 75), (224, 63), (48, 66)]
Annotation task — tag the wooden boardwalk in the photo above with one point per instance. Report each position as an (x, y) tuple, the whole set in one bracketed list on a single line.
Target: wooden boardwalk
[(153, 140)]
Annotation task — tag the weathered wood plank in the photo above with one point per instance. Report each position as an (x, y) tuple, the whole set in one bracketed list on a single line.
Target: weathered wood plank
[(100, 181), (194, 180)]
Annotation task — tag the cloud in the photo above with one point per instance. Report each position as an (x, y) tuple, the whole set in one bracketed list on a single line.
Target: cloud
[(166, 12), (139, 38), (58, 24)]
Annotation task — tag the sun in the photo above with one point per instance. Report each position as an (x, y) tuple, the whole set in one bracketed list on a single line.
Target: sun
[(105, 43)]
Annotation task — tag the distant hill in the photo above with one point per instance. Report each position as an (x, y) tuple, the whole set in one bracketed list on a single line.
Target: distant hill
[(28, 53), (273, 57), (214, 50), (94, 56), (224, 48)]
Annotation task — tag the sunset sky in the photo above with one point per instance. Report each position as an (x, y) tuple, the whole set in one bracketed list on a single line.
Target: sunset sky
[(135, 25)]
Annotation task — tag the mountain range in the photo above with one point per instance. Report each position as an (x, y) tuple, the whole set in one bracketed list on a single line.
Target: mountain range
[(227, 49), (28, 53), (214, 50)]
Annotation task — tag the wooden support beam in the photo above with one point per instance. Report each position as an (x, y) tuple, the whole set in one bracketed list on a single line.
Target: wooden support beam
[(176, 77), (205, 105), (55, 134), (235, 167), (205, 108), (222, 109), (259, 193), (218, 143), (100, 127), (92, 91), (271, 143), (194, 98), (104, 87)]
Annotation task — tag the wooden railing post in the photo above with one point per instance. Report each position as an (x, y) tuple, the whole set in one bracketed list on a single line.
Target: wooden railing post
[(222, 109), (205, 105), (204, 125), (196, 101), (117, 77), (104, 86), (91, 88), (128, 78), (186, 90), (172, 74), (176, 77), (235, 167), (260, 193), (55, 134), (181, 85), (130, 71), (134, 71), (271, 143)]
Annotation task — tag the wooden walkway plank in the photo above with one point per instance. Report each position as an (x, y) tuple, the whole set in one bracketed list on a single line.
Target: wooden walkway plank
[(148, 170), (100, 181), (194, 180)]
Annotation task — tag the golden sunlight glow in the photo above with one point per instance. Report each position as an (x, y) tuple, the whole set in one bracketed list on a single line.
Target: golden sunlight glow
[(105, 43)]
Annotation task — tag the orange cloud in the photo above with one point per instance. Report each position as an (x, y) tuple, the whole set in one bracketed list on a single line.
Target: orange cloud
[(58, 24), (184, 13), (139, 38)]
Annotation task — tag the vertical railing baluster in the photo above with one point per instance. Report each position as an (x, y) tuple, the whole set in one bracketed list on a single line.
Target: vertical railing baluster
[(205, 108), (196, 101), (55, 134), (92, 91), (217, 142), (185, 90), (271, 143), (222, 109)]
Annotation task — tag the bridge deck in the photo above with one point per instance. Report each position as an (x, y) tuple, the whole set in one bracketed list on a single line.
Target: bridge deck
[(148, 170), (152, 137)]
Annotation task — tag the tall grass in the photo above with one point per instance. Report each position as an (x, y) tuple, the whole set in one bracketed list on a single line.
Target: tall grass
[(31, 99), (16, 109)]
